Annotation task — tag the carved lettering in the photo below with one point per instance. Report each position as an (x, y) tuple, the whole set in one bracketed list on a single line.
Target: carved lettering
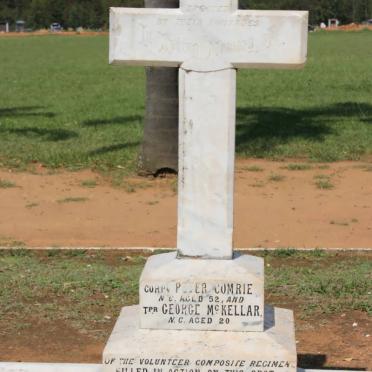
[(203, 303)]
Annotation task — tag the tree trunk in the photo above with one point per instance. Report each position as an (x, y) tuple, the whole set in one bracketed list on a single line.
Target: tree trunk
[(160, 143)]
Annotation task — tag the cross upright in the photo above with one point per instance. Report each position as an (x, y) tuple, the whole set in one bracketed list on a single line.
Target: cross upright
[(208, 40)]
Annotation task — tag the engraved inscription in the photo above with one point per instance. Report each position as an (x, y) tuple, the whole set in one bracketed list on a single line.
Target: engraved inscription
[(206, 8), (178, 46), (124, 364), (196, 41), (201, 49), (208, 37), (200, 303), (239, 21), (227, 22)]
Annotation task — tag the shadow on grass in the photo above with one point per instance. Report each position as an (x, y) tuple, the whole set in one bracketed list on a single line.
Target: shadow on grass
[(112, 148), (33, 111), (46, 134), (115, 120), (25, 111), (262, 129)]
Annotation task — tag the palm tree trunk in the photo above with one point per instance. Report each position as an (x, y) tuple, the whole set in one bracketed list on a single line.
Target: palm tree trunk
[(160, 143)]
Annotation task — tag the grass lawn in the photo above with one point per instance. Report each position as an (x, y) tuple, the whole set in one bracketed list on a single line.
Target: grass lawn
[(62, 105), (60, 306), (86, 289)]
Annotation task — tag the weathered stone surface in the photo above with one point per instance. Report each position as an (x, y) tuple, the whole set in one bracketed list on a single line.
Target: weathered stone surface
[(202, 294), (131, 349), (210, 36), (206, 158), (61, 367), (207, 39)]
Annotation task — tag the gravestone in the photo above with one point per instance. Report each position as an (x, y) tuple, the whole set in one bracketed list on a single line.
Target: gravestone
[(202, 308)]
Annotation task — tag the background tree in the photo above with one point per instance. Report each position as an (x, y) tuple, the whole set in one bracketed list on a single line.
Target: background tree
[(160, 141), (38, 14), (94, 13)]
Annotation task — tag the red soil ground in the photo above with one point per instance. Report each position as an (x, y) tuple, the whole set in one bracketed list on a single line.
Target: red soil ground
[(286, 211), (274, 207)]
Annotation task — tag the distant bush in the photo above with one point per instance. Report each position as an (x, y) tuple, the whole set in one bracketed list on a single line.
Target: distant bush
[(93, 14)]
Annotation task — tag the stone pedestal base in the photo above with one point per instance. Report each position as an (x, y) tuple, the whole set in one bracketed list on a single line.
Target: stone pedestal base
[(202, 295), (131, 349)]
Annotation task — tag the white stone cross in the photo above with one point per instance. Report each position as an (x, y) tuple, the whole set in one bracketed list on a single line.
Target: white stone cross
[(208, 40)]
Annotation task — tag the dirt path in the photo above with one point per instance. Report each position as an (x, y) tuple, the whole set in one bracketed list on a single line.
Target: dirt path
[(274, 207)]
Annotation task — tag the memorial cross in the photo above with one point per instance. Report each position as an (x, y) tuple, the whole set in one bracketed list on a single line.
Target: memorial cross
[(208, 40)]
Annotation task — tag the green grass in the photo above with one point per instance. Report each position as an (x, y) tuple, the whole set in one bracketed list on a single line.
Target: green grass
[(80, 289), (274, 177), (323, 286), (298, 166), (5, 184), (323, 112), (258, 184), (323, 182), (87, 289), (32, 205), (282, 252), (323, 166), (253, 168), (8, 241), (64, 106), (73, 199), (89, 183)]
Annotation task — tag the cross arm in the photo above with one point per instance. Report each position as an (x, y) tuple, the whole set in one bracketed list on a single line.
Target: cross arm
[(202, 41), (142, 37), (272, 39)]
